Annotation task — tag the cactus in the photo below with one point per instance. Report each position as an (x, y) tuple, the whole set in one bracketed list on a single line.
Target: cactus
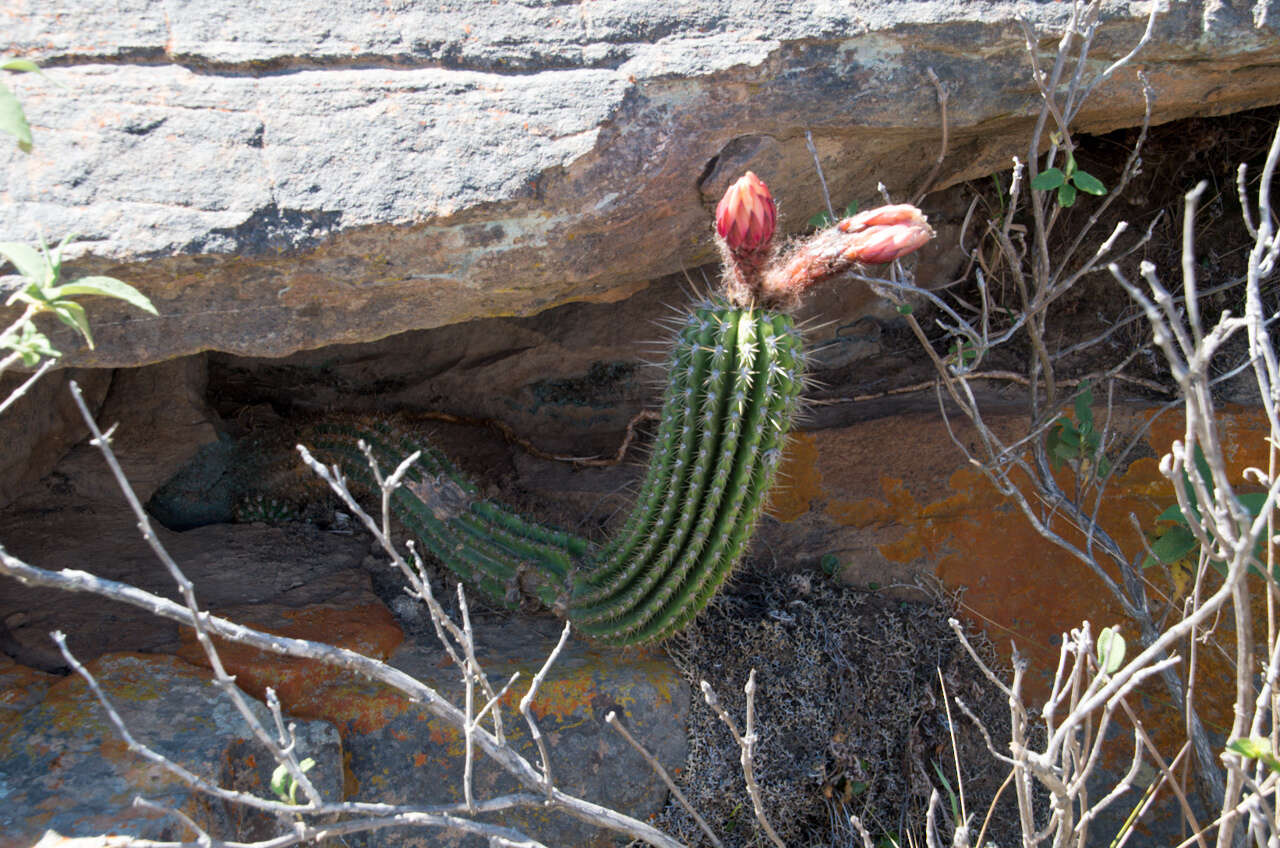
[(734, 385)]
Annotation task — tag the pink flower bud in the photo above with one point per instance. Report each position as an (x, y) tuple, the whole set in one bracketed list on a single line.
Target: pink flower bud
[(884, 234), (747, 216)]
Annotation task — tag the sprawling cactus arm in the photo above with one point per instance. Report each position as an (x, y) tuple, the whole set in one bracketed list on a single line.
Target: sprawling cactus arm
[(733, 392), (492, 548), (734, 383)]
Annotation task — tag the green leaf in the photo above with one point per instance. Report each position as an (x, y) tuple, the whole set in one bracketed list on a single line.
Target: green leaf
[(73, 315), (32, 295), (22, 65), (13, 120), (1049, 179), (851, 209), (1253, 748), (1253, 502), (963, 352), (1174, 544), (905, 309), (55, 255), (1202, 466), (1068, 436), (1064, 451), (1084, 404), (107, 287), (821, 220), (281, 781), (27, 260), (1088, 183), (830, 564), (1110, 650), (1256, 748), (951, 793), (31, 343), (283, 784), (1066, 195), (1172, 513)]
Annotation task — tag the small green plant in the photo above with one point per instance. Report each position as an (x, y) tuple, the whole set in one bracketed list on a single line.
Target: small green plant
[(1175, 541), (283, 784), (830, 564), (823, 219), (1069, 180), (951, 792), (1076, 441), (1256, 748), (13, 120), (1111, 648), (44, 292)]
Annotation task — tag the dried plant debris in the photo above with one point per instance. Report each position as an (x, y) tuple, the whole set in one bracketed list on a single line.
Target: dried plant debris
[(849, 713)]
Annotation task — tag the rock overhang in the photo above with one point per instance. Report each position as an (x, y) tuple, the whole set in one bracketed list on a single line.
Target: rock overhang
[(278, 182)]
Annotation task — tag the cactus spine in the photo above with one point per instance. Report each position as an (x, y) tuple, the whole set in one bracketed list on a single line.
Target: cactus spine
[(735, 378)]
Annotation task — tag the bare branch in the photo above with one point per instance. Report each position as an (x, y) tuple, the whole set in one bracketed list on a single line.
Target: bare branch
[(746, 744), (526, 704), (612, 720)]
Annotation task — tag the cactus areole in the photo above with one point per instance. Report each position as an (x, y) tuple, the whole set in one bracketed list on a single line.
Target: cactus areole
[(735, 375)]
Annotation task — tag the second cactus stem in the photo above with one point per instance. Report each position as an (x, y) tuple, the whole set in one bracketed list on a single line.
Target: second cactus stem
[(735, 376)]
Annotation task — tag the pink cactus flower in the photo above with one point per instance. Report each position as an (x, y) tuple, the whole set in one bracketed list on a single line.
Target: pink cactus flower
[(747, 216), (884, 234)]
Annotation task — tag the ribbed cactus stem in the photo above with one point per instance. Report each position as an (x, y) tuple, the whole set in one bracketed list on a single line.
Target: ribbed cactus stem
[(733, 387), (734, 400), (496, 550)]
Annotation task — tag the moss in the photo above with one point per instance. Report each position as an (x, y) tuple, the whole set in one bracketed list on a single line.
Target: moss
[(849, 711), (599, 388)]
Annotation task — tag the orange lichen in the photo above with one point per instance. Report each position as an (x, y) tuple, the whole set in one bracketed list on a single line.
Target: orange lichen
[(1021, 588), (368, 629), (799, 481)]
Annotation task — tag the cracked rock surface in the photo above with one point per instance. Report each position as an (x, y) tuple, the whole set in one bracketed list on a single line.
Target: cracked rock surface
[(279, 178)]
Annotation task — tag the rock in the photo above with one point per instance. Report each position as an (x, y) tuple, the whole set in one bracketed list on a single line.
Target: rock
[(299, 581), (398, 753), (364, 627), (160, 416), (166, 398), (281, 182), (43, 425), (231, 565), (392, 751), (568, 379), (64, 766), (21, 687)]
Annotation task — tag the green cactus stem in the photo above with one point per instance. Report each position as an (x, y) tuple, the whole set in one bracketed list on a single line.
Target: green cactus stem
[(492, 548), (734, 387), (734, 383)]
